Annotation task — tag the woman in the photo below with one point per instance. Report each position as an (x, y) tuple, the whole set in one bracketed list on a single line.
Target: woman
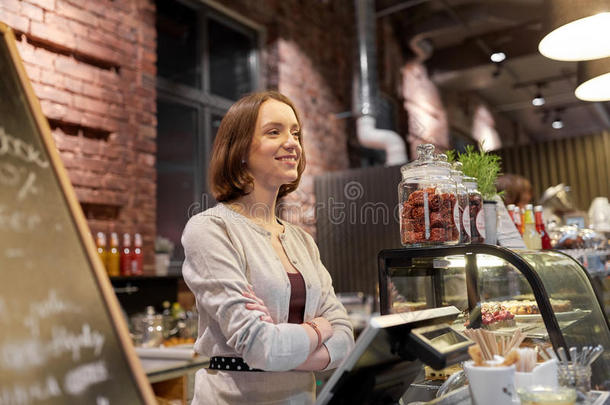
[(517, 189), (264, 298)]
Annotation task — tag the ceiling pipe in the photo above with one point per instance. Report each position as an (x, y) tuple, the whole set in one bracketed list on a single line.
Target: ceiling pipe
[(365, 90)]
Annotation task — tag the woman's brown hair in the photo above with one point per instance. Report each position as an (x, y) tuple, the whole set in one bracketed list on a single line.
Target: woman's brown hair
[(228, 176)]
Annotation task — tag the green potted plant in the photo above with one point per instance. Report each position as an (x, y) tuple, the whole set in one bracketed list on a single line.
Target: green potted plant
[(485, 167)]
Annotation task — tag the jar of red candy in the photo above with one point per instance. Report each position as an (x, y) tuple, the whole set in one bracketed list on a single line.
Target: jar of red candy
[(477, 215), (427, 198), (463, 202)]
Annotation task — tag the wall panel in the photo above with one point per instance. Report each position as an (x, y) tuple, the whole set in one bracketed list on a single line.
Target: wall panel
[(581, 163)]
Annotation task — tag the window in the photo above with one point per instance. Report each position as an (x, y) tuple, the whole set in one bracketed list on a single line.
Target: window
[(205, 62)]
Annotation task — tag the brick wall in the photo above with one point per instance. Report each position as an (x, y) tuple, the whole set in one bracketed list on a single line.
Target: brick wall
[(92, 65), (308, 55)]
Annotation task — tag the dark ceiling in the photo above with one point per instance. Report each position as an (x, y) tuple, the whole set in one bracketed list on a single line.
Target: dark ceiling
[(455, 38)]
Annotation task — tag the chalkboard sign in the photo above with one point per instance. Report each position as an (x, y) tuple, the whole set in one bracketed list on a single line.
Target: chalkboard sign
[(62, 338)]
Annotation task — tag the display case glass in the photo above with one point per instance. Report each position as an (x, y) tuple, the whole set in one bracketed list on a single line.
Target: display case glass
[(546, 294)]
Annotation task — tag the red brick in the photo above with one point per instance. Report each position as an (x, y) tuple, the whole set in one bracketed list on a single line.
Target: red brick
[(46, 4), (52, 35), (146, 159), (33, 72), (32, 12), (89, 48), (11, 5), (15, 21), (75, 13), (73, 85), (72, 67), (89, 104), (114, 182), (66, 142), (91, 120), (50, 77), (54, 110), (53, 94), (91, 147)]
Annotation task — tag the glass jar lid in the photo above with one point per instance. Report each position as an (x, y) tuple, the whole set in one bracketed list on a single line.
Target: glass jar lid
[(426, 164)]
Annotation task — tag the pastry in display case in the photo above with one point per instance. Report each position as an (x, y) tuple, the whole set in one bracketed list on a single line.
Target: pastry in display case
[(546, 295)]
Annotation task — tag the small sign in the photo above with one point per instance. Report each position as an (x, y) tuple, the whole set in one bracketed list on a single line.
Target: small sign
[(63, 339)]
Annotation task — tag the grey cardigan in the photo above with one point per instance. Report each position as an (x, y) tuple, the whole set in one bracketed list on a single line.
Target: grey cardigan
[(225, 252)]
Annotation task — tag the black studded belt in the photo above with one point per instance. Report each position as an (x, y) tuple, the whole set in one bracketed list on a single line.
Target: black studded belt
[(230, 364)]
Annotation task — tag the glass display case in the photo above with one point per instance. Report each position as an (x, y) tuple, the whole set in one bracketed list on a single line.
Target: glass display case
[(546, 294)]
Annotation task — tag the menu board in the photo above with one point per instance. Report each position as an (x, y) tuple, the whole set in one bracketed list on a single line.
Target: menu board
[(62, 338)]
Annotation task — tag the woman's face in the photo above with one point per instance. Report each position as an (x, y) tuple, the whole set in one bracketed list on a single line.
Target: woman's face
[(275, 151)]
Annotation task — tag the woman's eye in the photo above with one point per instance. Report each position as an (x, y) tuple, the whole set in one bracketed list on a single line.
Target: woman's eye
[(297, 134), (274, 132)]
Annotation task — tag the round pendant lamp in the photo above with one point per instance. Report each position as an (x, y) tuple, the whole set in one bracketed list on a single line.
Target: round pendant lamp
[(576, 30), (593, 80)]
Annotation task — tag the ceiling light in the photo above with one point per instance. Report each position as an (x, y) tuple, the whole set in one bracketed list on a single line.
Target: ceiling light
[(538, 100), (577, 30), (557, 122), (593, 80), (497, 57)]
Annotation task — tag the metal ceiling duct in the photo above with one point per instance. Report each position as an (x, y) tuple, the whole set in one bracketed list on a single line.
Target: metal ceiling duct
[(365, 89)]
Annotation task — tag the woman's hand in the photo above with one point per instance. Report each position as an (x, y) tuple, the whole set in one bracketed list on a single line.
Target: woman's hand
[(258, 306), (325, 328)]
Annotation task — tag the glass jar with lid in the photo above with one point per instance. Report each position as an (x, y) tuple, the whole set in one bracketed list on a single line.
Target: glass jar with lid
[(427, 197), (477, 214), (442, 161), (463, 202)]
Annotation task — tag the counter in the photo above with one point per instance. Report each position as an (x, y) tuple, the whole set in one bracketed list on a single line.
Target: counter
[(173, 379)]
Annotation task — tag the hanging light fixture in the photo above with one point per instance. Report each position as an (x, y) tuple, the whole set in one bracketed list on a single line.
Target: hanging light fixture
[(593, 80), (577, 30), (557, 121), (538, 99)]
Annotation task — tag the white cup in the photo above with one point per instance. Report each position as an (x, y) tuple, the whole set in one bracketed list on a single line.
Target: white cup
[(491, 385), (544, 374)]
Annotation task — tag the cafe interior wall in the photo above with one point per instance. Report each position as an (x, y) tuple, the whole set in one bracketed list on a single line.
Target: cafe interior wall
[(92, 66)]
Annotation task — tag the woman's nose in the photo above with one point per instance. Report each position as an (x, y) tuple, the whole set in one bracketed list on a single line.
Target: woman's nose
[(291, 142)]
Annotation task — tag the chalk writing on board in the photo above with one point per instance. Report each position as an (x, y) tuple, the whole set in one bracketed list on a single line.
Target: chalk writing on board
[(65, 341), (30, 352), (13, 146), (83, 376), (51, 305), (14, 253), (9, 174), (22, 394), (28, 187), (18, 221)]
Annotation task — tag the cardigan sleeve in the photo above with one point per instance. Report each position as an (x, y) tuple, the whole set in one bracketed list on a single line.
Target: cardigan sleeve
[(215, 271), (342, 341)]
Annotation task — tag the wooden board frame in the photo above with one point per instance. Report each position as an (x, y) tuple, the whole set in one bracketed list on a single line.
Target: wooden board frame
[(96, 266)]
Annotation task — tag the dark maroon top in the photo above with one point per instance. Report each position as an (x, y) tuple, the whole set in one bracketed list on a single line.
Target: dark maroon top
[(297, 298)]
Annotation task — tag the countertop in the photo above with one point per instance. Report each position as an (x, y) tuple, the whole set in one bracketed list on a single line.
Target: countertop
[(164, 369)]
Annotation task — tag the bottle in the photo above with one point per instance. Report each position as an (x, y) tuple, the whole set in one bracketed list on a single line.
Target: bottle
[(126, 256), (136, 256), (100, 242), (113, 257), (544, 236), (517, 219), (531, 237), (522, 220)]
